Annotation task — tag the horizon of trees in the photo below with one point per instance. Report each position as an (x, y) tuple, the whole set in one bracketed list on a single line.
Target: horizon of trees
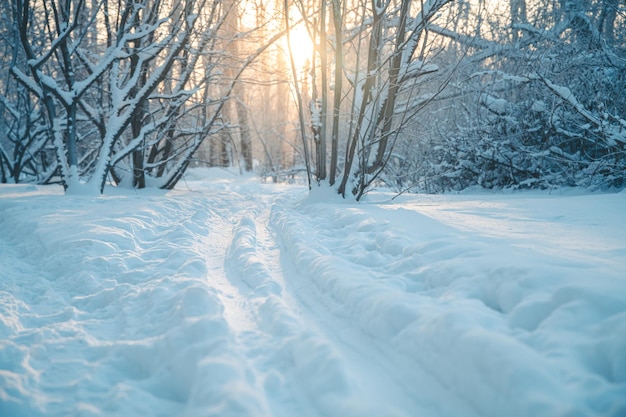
[(425, 96)]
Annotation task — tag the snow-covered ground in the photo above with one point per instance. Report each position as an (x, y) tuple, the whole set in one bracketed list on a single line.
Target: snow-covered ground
[(228, 297)]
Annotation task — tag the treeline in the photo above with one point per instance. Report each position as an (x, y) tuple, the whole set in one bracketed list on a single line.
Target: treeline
[(122, 92), (538, 101), (426, 96)]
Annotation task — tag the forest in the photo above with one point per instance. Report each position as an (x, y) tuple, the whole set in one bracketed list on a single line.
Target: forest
[(419, 96)]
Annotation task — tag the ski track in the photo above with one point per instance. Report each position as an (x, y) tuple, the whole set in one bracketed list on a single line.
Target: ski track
[(335, 375), (458, 306), (262, 305)]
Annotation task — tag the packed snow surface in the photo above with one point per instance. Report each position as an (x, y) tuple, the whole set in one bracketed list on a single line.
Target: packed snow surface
[(229, 297)]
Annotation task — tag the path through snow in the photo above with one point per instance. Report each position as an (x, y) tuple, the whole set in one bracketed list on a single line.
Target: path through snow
[(240, 299)]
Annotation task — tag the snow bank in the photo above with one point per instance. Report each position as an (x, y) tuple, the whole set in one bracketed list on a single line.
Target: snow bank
[(106, 310), (512, 332)]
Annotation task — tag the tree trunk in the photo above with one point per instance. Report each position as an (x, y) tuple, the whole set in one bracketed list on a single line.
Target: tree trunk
[(518, 15), (244, 129), (338, 28)]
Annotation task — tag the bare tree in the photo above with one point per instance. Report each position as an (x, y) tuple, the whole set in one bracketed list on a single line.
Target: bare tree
[(24, 147), (544, 110), (386, 56), (134, 101)]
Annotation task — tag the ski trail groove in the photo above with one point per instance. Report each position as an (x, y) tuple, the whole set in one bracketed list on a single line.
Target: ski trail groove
[(379, 370), (302, 358)]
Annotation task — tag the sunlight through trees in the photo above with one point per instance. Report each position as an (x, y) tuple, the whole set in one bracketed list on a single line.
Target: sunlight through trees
[(423, 96)]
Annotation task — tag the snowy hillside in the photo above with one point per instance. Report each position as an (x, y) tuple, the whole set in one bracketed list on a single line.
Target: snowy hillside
[(227, 297)]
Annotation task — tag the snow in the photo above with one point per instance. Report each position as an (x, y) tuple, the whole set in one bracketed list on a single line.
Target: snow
[(539, 106), (496, 105), (230, 297)]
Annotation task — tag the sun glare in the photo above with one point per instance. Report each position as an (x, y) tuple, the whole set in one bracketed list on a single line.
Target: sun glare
[(301, 46)]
